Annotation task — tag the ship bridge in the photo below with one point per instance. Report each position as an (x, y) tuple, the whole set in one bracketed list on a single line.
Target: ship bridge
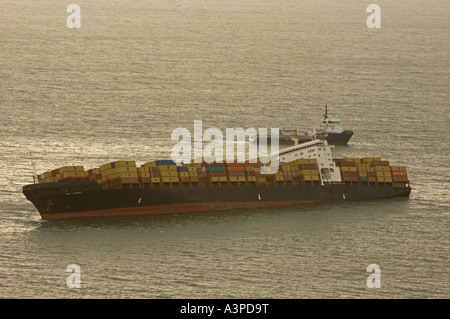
[(316, 149)]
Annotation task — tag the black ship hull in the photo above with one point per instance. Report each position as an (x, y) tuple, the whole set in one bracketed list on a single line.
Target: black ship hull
[(68, 200)]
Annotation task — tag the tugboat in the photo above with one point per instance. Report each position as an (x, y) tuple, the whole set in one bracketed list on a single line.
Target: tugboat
[(329, 128)]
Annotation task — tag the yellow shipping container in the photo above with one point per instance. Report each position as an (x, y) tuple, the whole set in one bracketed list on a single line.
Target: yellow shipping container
[(156, 180), (372, 179), (383, 174), (382, 168), (170, 179), (262, 179), (311, 177), (251, 178), (123, 175), (172, 173), (124, 169), (144, 175), (105, 167), (308, 172), (384, 179), (279, 178), (348, 169), (193, 174), (192, 168), (219, 178), (183, 174), (361, 173), (369, 160), (74, 174), (123, 164), (149, 164), (370, 169), (71, 169), (353, 159), (304, 161), (279, 173)]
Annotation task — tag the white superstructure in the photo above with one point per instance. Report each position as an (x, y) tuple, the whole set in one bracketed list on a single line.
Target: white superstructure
[(321, 151)]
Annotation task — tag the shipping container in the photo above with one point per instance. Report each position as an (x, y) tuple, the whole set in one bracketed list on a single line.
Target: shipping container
[(350, 179), (347, 164), (156, 179), (171, 179), (348, 169), (236, 173), (182, 169), (363, 179), (384, 179), (164, 173), (165, 163), (167, 168), (382, 169), (383, 174), (379, 163), (219, 179), (117, 164), (400, 178), (215, 168), (183, 174), (349, 174), (399, 173)]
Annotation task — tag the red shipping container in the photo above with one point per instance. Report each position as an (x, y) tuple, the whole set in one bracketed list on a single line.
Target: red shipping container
[(347, 164), (235, 164), (350, 179), (236, 173), (217, 174), (399, 173), (235, 168), (371, 174), (379, 163), (185, 179), (349, 174)]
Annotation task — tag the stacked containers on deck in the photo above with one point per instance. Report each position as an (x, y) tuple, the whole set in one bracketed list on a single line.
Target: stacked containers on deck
[(215, 172), (155, 177), (168, 171), (371, 176), (183, 174), (193, 171), (119, 172), (62, 174), (348, 169), (235, 172), (305, 170), (382, 171), (399, 176), (252, 170)]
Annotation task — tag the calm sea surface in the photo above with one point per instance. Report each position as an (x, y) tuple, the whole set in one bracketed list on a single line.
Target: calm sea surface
[(117, 87)]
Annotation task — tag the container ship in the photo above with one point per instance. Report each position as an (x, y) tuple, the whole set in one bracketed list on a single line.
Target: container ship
[(306, 174), (328, 128)]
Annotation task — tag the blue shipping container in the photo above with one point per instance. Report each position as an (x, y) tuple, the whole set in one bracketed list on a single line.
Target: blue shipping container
[(182, 169), (215, 168), (165, 162), (113, 165)]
